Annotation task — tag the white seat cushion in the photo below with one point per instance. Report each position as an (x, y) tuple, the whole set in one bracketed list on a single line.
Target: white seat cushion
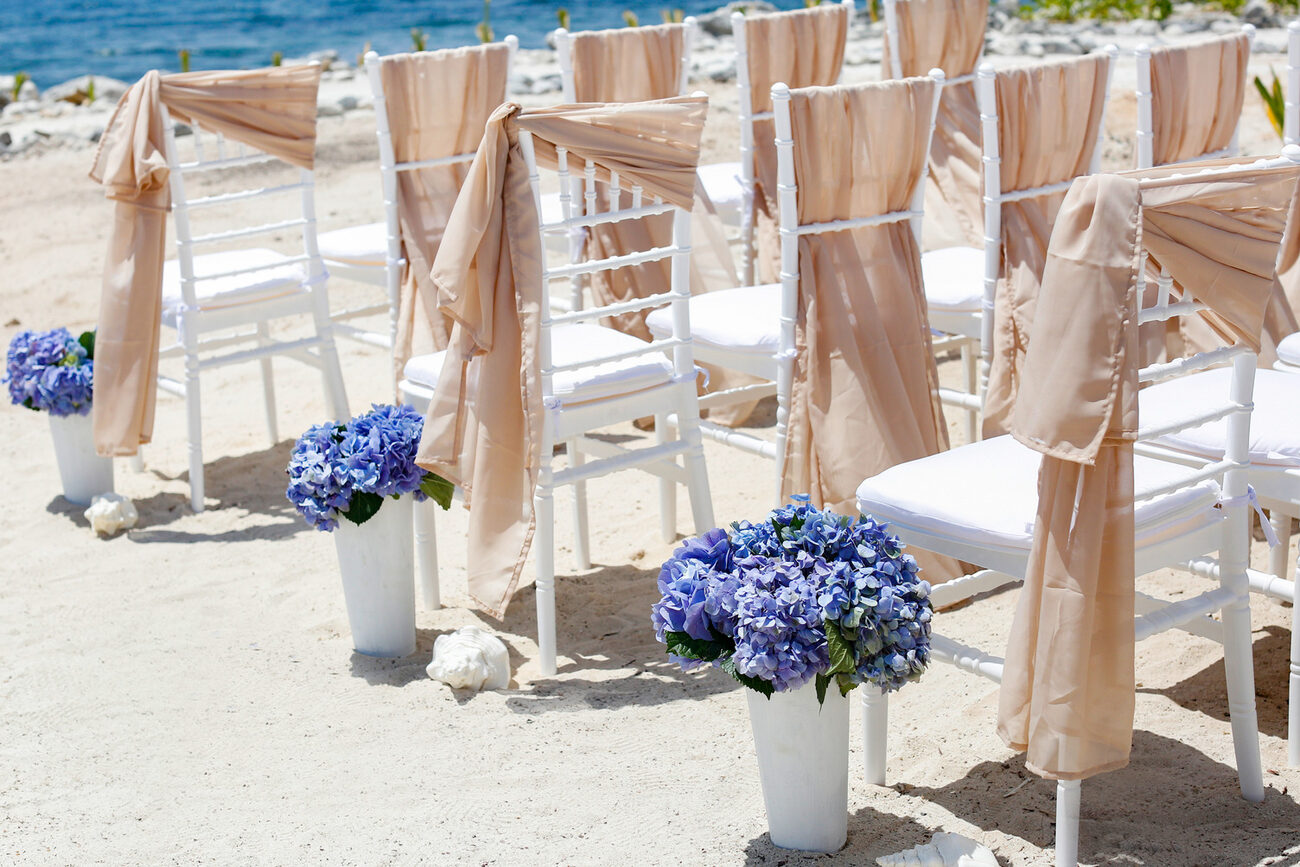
[(722, 182), (986, 493), (270, 280), (954, 279), (356, 245), (571, 344), (745, 319), (1288, 351), (1274, 423)]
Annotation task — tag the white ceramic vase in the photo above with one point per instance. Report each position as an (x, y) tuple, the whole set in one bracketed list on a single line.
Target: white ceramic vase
[(377, 562), (803, 765), (83, 473)]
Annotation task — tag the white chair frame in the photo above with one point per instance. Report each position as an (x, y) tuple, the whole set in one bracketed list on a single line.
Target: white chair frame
[(193, 320), (748, 175), (1231, 538), (389, 275), (1145, 128), (570, 423), (778, 369), (1291, 99)]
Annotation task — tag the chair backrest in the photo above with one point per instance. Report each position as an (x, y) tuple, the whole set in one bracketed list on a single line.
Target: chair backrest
[(1210, 111), (635, 83), (417, 67), (995, 194), (219, 166), (1291, 119), (952, 24), (676, 294)]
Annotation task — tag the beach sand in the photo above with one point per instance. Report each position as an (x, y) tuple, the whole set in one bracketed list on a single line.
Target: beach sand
[(187, 692)]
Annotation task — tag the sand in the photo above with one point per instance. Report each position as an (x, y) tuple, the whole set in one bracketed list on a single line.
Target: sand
[(188, 693)]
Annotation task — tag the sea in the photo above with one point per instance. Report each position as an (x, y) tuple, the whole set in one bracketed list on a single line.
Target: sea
[(55, 40)]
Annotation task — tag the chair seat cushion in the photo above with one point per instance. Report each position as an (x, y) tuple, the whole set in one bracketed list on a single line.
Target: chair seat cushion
[(1288, 350), (1274, 423), (722, 182), (571, 344), (745, 319), (954, 279), (356, 245), (269, 280), (986, 493)]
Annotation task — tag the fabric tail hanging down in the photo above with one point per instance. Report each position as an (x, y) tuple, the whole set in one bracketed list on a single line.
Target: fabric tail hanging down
[(1067, 693), (948, 35), (438, 103), (484, 422), (272, 110), (865, 389)]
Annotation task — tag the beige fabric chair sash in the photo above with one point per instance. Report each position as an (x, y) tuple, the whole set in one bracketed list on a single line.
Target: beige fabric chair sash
[(948, 34), (631, 64), (1067, 688), (1047, 129), (438, 103), (484, 422), (273, 110), (1196, 95), (802, 48), (865, 388)]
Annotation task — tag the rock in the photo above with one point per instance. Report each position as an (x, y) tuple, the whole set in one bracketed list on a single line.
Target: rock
[(348, 103), (104, 87), (718, 22), (28, 92), (720, 70), (470, 658), (1144, 27), (6, 139), (328, 109), (1059, 45), (1260, 13)]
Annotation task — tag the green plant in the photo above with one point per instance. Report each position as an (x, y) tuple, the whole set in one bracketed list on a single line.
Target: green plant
[(1274, 102), (484, 28), (808, 4), (672, 16), (90, 88), (630, 19), (562, 15), (361, 58), (184, 55), (1232, 7), (1160, 9), (419, 39), (19, 80), (277, 58), (873, 10)]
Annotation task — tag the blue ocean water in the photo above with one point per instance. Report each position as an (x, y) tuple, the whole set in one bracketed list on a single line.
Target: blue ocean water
[(54, 40)]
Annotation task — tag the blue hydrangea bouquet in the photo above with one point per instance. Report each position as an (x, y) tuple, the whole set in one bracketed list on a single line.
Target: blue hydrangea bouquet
[(51, 371), (806, 595), (346, 470)]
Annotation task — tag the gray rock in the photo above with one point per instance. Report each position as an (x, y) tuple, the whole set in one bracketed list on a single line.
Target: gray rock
[(328, 109), (105, 88), (1006, 45), (718, 22), (6, 139), (1270, 42), (28, 91), (1260, 13), (348, 103), (1143, 27), (1060, 45), (721, 69)]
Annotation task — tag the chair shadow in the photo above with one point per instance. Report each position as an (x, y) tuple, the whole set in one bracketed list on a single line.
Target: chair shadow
[(871, 834), (1172, 805), (1206, 692)]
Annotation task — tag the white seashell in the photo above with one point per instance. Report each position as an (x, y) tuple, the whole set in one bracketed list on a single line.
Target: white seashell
[(943, 850), (470, 658), (109, 513)]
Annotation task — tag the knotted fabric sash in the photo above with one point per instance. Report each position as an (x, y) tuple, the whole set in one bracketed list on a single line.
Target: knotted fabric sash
[(1047, 130), (485, 420), (273, 110), (438, 103), (1067, 692), (949, 35), (865, 389), (802, 48)]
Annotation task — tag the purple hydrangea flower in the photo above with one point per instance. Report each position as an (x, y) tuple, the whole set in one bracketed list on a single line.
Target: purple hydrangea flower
[(51, 371)]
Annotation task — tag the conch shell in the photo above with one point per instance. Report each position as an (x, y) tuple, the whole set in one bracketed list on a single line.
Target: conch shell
[(943, 850), (470, 658), (109, 513)]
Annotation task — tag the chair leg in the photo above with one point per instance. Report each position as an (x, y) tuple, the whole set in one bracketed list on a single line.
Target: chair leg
[(875, 732), (544, 551), (697, 473), (968, 358), (581, 530), (1067, 823), (1240, 675), (268, 385), (667, 487), (336, 396), (1293, 696), (426, 549), (1278, 555), (136, 461), (194, 418)]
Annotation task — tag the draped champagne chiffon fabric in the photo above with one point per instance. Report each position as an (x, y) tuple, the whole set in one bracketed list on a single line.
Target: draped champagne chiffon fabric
[(438, 103), (272, 110), (865, 389), (484, 422), (949, 35), (1067, 694)]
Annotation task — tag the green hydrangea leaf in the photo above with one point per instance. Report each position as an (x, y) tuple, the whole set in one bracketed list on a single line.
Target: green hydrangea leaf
[(438, 489), (841, 650), (681, 644), (823, 681), (87, 341), (845, 683), (363, 507), (755, 683)]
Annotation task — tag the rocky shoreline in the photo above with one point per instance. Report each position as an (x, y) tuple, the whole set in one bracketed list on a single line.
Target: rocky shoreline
[(73, 114)]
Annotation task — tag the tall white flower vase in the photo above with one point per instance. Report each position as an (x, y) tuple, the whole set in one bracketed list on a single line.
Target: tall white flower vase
[(377, 561), (84, 473), (803, 765)]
